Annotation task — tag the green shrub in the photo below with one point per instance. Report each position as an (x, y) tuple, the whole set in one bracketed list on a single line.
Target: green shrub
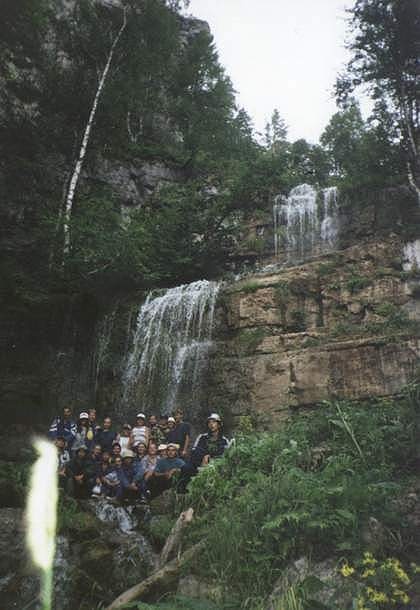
[(250, 287), (356, 283), (269, 502), (250, 339)]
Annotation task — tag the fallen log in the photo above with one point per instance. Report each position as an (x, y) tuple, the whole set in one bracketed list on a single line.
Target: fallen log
[(165, 574), (174, 539)]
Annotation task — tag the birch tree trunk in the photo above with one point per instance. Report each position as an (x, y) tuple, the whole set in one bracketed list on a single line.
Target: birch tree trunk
[(68, 207)]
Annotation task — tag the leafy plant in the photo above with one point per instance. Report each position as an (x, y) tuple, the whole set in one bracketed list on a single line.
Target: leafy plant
[(285, 504)]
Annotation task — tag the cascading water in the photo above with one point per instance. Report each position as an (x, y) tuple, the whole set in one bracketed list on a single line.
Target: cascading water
[(305, 222), (329, 223), (169, 348)]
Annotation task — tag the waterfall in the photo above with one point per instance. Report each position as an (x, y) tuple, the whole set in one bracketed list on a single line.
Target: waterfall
[(305, 222), (329, 223), (169, 347), (411, 256)]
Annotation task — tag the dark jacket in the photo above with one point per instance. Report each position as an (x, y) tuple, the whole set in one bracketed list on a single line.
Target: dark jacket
[(63, 427), (105, 439), (205, 444)]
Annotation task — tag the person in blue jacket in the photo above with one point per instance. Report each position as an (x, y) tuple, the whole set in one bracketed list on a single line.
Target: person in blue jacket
[(166, 471), (212, 444), (208, 446), (63, 426)]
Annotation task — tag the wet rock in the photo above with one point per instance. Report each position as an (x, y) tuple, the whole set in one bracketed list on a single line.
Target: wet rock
[(195, 588), (325, 582)]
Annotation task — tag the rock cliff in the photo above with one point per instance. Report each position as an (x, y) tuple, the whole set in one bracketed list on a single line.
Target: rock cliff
[(345, 326)]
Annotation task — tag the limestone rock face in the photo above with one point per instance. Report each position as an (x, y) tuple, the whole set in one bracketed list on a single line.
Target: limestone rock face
[(133, 182), (343, 327)]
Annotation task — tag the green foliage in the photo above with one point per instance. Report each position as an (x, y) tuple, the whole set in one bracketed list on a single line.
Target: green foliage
[(357, 282), (361, 153), (384, 56), (250, 287), (72, 520), (285, 503), (250, 339)]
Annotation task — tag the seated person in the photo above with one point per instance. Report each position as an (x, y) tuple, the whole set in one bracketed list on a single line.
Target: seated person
[(145, 469), (106, 436), (102, 469), (180, 433), (163, 425), (130, 487), (81, 474), (141, 451), (140, 432), (157, 435), (96, 459), (210, 445), (149, 461), (165, 470), (84, 434), (125, 437), (116, 449), (63, 457), (64, 426), (171, 423)]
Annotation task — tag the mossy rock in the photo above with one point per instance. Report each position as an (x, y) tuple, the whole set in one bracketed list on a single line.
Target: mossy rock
[(96, 559), (77, 523), (164, 503)]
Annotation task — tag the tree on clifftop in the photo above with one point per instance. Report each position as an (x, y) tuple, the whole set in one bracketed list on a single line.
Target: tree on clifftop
[(385, 50)]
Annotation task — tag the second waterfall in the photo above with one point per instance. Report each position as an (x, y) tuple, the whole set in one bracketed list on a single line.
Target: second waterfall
[(169, 348)]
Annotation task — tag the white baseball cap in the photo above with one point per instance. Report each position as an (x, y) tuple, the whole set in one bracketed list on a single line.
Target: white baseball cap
[(215, 416), (127, 453), (142, 415)]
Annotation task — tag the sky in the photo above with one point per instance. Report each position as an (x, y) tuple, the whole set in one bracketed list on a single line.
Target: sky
[(282, 54)]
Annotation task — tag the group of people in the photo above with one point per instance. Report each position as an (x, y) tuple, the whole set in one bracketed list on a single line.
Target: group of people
[(133, 464)]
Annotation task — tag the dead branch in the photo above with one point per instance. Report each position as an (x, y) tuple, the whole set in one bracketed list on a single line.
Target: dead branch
[(173, 541), (163, 576)]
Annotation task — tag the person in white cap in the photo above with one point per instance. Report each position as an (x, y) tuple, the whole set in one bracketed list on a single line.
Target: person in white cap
[(211, 444), (140, 432), (83, 434)]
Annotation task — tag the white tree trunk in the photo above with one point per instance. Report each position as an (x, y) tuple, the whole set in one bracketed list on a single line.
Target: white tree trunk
[(83, 148), (412, 182)]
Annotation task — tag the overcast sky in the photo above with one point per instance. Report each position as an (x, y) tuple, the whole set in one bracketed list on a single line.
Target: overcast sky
[(281, 54)]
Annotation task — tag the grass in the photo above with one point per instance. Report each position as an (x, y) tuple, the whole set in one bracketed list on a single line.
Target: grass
[(250, 287)]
